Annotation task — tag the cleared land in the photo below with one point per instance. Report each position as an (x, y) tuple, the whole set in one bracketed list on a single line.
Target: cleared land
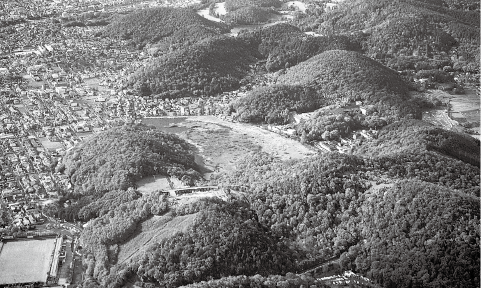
[(439, 118), (464, 108), (222, 143), (50, 145), (152, 231), (153, 183), (25, 261), (188, 199)]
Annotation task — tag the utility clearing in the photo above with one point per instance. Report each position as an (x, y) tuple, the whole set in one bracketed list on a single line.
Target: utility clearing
[(153, 231)]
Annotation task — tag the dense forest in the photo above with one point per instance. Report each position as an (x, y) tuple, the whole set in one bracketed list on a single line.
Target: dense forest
[(115, 159), (102, 236), (232, 5), (314, 202), (249, 15), (419, 137), (387, 217), (273, 104), (347, 76), (407, 28), (331, 76), (206, 68), (170, 25), (218, 64), (225, 239), (285, 45), (288, 281), (401, 208)]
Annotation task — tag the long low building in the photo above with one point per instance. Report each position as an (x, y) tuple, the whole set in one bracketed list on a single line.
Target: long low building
[(188, 190), (55, 258)]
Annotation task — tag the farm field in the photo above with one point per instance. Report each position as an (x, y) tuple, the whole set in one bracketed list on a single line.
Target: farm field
[(25, 261), (464, 108)]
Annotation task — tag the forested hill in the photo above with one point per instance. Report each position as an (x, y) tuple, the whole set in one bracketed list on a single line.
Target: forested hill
[(219, 63), (172, 25), (408, 27), (332, 204), (225, 238), (396, 229), (115, 159), (232, 5), (413, 136), (285, 45), (208, 67), (345, 76)]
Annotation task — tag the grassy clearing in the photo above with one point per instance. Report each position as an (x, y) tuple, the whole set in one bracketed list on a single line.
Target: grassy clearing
[(152, 231), (223, 143), (219, 146)]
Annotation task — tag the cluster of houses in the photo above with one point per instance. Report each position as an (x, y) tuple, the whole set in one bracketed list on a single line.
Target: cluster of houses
[(186, 106), (345, 145), (347, 279), (26, 9)]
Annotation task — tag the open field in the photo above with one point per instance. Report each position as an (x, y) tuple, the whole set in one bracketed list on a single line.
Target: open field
[(190, 198), (439, 118), (25, 261), (222, 143), (464, 108), (49, 144), (153, 183), (152, 231)]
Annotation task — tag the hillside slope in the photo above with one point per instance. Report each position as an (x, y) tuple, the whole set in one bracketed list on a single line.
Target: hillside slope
[(419, 137), (115, 159), (152, 231), (206, 68), (285, 45), (409, 27), (344, 76), (172, 25), (397, 234)]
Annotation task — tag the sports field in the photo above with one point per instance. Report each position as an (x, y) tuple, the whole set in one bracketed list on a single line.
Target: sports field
[(25, 261)]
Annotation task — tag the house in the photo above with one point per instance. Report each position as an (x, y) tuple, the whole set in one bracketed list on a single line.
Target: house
[(330, 6), (184, 110)]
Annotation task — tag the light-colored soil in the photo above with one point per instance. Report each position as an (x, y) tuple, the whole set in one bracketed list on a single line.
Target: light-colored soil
[(220, 8), (153, 231), (188, 199), (50, 145), (460, 104), (153, 183), (223, 143), (464, 108), (298, 4), (25, 261), (205, 13), (439, 118)]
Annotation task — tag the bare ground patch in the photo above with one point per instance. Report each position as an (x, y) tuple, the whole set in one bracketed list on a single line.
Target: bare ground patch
[(25, 261), (222, 143), (153, 183), (153, 231)]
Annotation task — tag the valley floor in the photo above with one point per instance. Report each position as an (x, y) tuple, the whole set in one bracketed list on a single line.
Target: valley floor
[(222, 143)]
